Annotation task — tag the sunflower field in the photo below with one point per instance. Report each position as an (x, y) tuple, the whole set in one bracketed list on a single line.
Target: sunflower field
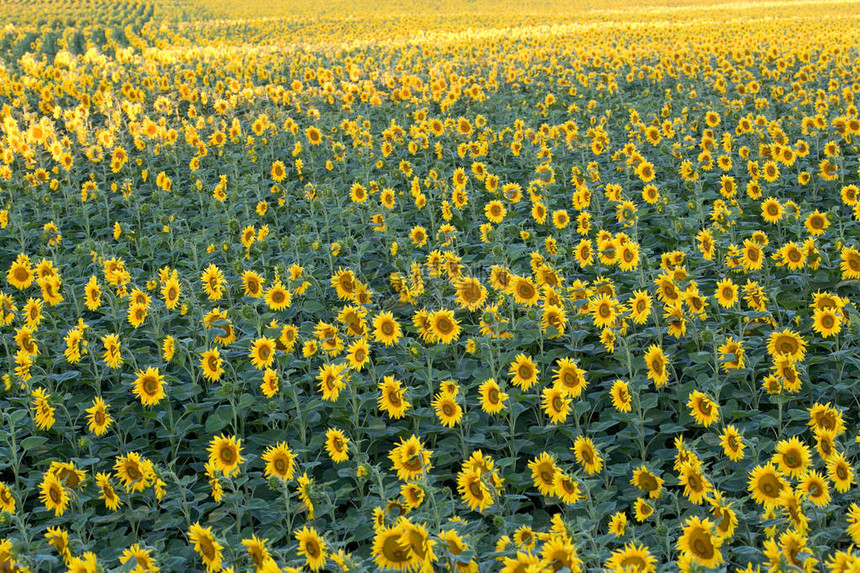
[(444, 286)]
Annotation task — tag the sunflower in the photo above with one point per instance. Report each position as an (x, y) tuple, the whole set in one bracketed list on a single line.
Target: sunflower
[(524, 372), (560, 553), (418, 234), (696, 487), (543, 470), (840, 472), (647, 482), (587, 455), (443, 326), (827, 322), (386, 330), (525, 538), (59, 539), (112, 355), (732, 443), (354, 318), (206, 546), (495, 211), (706, 244), (280, 461), (447, 409), (278, 297), (702, 408), (252, 284), (262, 353), (415, 538), (211, 362), (566, 488), (226, 454), (569, 378), (726, 293), (560, 219), (20, 275), (412, 494), (311, 547), (473, 491), (732, 354), (766, 484), (53, 495), (642, 510), (631, 558), (524, 291), (853, 516), (492, 397), (770, 171), (620, 394), (471, 294), (656, 361), (628, 256), (391, 398), (584, 253), (825, 444), (699, 543), (555, 404), (168, 348), (149, 386), (278, 171), (786, 342), (792, 457), (358, 354), (331, 381), (772, 210), (7, 500), (387, 198), (825, 417), (213, 282), (640, 306), (849, 263), (336, 445), (389, 553), (816, 223), (602, 309), (618, 523), (410, 459), (142, 557)]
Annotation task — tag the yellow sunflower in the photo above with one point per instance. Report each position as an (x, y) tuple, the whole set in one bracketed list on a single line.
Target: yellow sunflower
[(699, 543), (492, 397), (569, 377), (524, 372), (443, 326), (149, 386), (386, 330), (631, 558), (587, 455), (206, 546), (280, 461), (53, 495), (543, 470), (702, 408), (211, 362), (262, 353), (225, 453), (311, 547), (656, 361), (647, 482), (766, 484)]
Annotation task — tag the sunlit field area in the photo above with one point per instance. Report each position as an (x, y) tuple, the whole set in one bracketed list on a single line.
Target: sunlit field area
[(470, 286)]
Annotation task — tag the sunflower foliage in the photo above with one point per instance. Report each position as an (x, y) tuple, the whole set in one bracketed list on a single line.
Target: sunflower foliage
[(327, 286)]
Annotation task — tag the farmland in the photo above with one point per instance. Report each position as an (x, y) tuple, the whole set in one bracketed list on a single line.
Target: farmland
[(447, 286)]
